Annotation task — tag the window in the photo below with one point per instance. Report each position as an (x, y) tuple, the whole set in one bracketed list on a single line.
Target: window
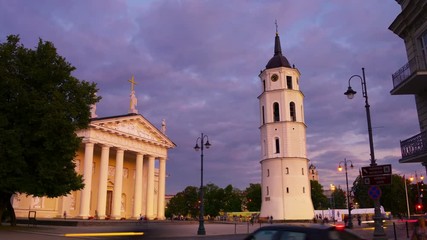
[(302, 171), (263, 83), (263, 115), (292, 111), (289, 82), (268, 191), (287, 170), (276, 112), (268, 172), (276, 140), (287, 190), (303, 189)]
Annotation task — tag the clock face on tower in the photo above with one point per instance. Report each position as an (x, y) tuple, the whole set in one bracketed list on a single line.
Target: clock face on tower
[(274, 77)]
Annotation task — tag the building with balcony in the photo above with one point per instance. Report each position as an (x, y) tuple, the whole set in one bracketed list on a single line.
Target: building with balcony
[(411, 79)]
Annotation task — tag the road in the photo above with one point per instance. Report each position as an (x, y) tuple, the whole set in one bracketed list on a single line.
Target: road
[(168, 230)]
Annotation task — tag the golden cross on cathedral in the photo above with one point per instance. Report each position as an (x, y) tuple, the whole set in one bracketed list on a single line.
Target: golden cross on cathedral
[(133, 83)]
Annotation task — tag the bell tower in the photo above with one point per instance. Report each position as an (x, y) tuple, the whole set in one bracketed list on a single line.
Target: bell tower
[(285, 184)]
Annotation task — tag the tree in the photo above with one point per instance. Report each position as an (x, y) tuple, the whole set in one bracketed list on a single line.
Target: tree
[(339, 198), (393, 197), (184, 203), (232, 199), (42, 107), (253, 197), (320, 201), (361, 196), (213, 199)]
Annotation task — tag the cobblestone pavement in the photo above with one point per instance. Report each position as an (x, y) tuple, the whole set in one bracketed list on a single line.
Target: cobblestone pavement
[(174, 230)]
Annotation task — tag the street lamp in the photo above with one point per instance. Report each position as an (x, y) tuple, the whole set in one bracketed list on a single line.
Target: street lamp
[(379, 230), (350, 221), (201, 230)]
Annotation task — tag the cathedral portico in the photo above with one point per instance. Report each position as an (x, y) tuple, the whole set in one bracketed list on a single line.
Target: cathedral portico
[(117, 159)]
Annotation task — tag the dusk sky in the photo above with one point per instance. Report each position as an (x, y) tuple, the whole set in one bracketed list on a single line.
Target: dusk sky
[(196, 64)]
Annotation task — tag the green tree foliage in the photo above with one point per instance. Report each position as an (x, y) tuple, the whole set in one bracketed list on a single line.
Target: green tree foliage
[(360, 192), (185, 203), (42, 107), (213, 199), (253, 197), (233, 199), (339, 198), (393, 196), (320, 201)]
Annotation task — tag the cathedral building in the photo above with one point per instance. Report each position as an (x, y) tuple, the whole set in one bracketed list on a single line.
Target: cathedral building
[(286, 193), (123, 163)]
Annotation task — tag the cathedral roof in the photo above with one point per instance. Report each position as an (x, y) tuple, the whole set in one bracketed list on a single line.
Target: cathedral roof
[(278, 60)]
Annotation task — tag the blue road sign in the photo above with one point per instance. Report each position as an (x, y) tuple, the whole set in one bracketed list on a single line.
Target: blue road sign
[(374, 192)]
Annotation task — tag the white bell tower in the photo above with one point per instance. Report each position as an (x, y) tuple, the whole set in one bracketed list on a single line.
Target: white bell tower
[(285, 183)]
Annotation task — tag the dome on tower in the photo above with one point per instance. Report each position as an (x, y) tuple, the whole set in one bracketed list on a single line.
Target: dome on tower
[(278, 60)]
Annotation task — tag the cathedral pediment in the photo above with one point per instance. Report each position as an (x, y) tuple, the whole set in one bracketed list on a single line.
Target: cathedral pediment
[(133, 126)]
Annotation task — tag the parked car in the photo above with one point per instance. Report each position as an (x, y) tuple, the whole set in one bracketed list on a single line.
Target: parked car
[(303, 231)]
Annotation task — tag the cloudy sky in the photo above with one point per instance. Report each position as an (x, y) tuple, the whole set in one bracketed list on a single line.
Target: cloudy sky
[(196, 64)]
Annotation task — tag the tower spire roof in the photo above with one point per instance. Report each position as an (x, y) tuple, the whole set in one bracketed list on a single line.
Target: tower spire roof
[(278, 60)]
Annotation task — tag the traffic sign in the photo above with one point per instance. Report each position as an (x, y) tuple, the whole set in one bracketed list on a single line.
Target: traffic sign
[(377, 180), (376, 170), (374, 192)]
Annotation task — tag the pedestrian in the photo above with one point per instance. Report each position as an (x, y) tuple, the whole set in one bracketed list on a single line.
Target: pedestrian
[(271, 219), (359, 220)]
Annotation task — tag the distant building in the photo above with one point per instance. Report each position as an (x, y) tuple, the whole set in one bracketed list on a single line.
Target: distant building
[(411, 79), (313, 173), (117, 160), (285, 184)]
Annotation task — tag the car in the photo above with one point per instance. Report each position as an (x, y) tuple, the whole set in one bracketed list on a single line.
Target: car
[(302, 231)]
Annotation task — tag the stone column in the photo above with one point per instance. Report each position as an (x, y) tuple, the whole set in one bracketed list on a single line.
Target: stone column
[(103, 178), (138, 186), (162, 187), (150, 188), (118, 180), (87, 178)]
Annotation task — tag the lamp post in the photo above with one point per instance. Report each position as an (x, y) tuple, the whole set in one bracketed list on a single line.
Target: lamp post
[(332, 188), (407, 200), (201, 230), (379, 230), (350, 221)]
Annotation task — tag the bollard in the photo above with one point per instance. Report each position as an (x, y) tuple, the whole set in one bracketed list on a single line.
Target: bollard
[(394, 230), (235, 228), (248, 228), (407, 230)]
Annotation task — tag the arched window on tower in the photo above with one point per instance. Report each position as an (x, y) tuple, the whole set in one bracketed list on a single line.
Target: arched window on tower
[(276, 111), (302, 171), (292, 111), (277, 142), (268, 191), (303, 189), (289, 82), (287, 170), (268, 172), (287, 190), (263, 115)]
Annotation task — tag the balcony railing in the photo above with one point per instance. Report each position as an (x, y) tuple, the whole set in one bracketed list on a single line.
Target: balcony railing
[(414, 146), (414, 65)]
